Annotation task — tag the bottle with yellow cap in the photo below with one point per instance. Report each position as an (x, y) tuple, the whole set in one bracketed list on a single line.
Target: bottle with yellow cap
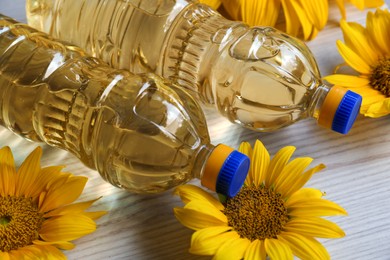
[(257, 77), (140, 132)]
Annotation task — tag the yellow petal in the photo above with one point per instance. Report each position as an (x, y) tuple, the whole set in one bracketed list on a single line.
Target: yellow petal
[(28, 252), (361, 4), (358, 3), (259, 163), (95, 214), (20, 254), (363, 109), (41, 198), (256, 251), (368, 91), (341, 6), (208, 240), (66, 228), (7, 159), (206, 208), (317, 12), (307, 26), (4, 255), (314, 227), (303, 194), (233, 8), (58, 196), (196, 220), (369, 94), (246, 149), (301, 180), (276, 249), (379, 109), (353, 59), (304, 247), (291, 173), (28, 172), (69, 209), (189, 193), (355, 38), (313, 34), (46, 175), (377, 29), (7, 172), (348, 81), (65, 245), (47, 252), (368, 101), (373, 3), (292, 21), (260, 12), (54, 183), (232, 249), (58, 181), (52, 253), (315, 208), (277, 164), (212, 3)]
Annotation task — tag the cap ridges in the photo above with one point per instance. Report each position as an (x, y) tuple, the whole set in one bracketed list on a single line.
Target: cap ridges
[(232, 174), (346, 112)]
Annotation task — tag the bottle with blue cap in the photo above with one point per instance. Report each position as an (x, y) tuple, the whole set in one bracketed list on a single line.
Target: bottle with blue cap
[(140, 132), (257, 77)]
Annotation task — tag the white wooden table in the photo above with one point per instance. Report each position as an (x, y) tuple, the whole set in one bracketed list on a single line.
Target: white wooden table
[(357, 177)]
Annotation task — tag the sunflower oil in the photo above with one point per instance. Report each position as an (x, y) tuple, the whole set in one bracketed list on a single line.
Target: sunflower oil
[(257, 77), (139, 133)]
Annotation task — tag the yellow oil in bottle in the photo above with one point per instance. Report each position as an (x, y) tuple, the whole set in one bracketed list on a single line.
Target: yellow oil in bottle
[(139, 133), (257, 77)]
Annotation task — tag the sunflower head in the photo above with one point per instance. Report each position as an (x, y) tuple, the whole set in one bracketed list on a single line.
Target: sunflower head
[(271, 216), (367, 52), (36, 214), (259, 224)]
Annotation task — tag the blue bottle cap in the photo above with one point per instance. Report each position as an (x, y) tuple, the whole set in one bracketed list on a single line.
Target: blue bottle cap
[(225, 170), (346, 112), (232, 174), (339, 109)]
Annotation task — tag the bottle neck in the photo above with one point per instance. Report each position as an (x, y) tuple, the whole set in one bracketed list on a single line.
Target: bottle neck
[(317, 101), (325, 107), (201, 159), (222, 169)]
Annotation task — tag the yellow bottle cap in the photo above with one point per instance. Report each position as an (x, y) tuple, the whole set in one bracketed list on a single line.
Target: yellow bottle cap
[(225, 170), (339, 110)]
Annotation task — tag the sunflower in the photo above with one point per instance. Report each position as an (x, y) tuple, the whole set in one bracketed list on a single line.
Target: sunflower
[(361, 4), (36, 217), (271, 216), (366, 50), (303, 18)]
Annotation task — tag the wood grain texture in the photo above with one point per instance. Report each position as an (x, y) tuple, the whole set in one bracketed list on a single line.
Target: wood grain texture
[(357, 177)]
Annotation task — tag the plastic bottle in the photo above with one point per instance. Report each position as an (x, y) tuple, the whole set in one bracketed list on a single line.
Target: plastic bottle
[(138, 132), (257, 77)]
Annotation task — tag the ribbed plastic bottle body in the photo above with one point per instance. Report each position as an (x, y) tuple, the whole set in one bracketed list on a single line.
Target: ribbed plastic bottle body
[(139, 133), (257, 77)]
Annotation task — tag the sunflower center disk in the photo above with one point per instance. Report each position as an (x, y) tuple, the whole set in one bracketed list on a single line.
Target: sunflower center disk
[(256, 213), (380, 77), (20, 222)]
